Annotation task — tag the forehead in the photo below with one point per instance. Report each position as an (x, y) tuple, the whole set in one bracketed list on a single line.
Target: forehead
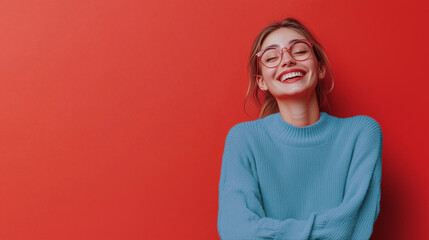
[(281, 37)]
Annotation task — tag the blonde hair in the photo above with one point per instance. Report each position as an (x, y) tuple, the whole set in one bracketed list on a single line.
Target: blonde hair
[(324, 85)]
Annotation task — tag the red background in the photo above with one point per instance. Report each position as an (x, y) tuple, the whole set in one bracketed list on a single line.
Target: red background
[(114, 113)]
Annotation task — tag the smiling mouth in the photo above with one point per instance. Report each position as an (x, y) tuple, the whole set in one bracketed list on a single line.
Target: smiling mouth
[(291, 76)]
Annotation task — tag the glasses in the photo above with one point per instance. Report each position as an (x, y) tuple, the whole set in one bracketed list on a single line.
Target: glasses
[(300, 50)]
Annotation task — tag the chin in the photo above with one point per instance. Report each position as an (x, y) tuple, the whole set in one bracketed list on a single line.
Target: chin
[(297, 92)]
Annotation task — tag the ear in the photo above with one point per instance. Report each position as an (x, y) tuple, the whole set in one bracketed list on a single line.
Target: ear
[(261, 83), (322, 71)]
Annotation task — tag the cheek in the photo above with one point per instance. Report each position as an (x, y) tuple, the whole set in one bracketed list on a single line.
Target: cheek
[(313, 64), (268, 73)]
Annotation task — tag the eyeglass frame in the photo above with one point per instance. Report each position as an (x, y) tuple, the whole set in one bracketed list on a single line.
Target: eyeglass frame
[(309, 42)]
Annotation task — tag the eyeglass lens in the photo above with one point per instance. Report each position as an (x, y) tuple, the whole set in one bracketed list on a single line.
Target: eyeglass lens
[(299, 51)]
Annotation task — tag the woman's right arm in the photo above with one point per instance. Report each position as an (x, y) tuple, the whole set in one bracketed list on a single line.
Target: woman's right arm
[(241, 215)]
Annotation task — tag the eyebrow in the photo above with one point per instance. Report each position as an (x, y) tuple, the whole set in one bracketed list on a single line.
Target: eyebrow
[(276, 45)]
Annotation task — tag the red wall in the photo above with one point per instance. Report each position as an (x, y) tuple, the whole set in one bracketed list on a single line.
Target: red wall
[(114, 113)]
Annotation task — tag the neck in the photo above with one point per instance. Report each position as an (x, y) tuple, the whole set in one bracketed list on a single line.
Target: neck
[(300, 112)]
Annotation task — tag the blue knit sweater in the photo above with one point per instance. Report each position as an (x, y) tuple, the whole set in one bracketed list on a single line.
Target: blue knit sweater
[(279, 181)]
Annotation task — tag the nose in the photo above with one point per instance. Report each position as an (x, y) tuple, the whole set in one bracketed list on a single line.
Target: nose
[(287, 59)]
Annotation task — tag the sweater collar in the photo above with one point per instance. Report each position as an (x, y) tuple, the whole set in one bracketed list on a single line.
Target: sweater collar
[(315, 134)]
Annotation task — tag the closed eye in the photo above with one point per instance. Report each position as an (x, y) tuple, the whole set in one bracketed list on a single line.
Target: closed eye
[(300, 52), (272, 59)]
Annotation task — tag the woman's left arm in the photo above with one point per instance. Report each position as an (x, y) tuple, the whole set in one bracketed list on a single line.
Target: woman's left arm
[(355, 216)]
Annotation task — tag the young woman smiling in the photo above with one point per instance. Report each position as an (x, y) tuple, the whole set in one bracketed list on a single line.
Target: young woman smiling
[(298, 172)]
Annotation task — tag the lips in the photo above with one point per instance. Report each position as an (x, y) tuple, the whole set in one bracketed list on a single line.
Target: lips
[(291, 75)]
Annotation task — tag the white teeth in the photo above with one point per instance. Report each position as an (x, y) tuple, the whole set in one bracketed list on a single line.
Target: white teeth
[(290, 75)]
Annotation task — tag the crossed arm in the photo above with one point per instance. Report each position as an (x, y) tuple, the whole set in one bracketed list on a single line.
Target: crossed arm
[(241, 215)]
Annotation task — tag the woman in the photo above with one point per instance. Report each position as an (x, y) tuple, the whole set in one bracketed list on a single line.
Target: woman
[(298, 172)]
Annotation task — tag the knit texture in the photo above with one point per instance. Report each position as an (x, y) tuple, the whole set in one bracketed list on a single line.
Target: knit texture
[(279, 181)]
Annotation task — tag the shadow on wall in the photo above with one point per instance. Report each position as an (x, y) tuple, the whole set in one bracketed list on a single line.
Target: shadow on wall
[(388, 224)]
